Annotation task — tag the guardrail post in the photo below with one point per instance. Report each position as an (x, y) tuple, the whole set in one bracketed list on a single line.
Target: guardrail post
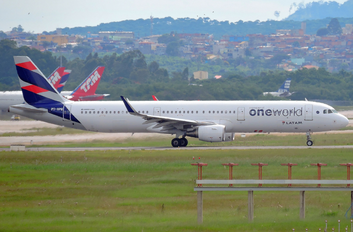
[(251, 205), (302, 205), (199, 171), (260, 170), (348, 171), (289, 170), (199, 207), (230, 170), (318, 170), (351, 206)]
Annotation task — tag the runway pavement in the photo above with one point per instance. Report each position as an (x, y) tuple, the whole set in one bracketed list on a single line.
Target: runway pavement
[(180, 148)]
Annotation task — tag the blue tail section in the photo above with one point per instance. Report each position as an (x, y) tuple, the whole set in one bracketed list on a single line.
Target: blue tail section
[(37, 91), (285, 86)]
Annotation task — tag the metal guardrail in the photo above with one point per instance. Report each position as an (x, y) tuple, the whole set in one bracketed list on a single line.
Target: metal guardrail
[(299, 182)]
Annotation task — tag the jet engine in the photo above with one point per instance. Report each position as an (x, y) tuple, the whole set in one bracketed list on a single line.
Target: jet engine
[(213, 133)]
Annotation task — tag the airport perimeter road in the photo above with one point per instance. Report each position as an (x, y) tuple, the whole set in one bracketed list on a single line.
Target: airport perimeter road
[(180, 148)]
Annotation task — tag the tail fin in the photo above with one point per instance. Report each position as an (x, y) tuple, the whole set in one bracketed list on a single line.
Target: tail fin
[(154, 98), (63, 80), (36, 89), (285, 86), (90, 84), (56, 76)]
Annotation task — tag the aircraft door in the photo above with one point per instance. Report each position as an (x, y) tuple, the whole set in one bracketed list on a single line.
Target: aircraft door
[(241, 114), (157, 111), (67, 113), (308, 116)]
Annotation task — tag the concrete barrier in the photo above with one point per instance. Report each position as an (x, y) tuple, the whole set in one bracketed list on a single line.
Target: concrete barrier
[(17, 148)]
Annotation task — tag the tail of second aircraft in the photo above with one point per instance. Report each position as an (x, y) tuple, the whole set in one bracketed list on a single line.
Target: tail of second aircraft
[(37, 90), (64, 78), (56, 77), (285, 86), (89, 86)]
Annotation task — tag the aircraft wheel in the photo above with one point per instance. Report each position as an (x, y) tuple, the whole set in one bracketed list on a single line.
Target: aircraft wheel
[(309, 143), (175, 142), (183, 142)]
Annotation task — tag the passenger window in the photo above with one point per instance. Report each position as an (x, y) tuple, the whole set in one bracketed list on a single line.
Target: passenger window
[(97, 112), (197, 112), (214, 111), (90, 112), (143, 112), (81, 112), (234, 112), (217, 112), (163, 112), (94, 112), (203, 112), (192, 112), (225, 112), (146, 112), (183, 112), (114, 112), (168, 112), (85, 112), (188, 112)]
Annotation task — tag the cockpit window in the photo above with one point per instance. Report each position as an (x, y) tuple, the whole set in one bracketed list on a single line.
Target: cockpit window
[(325, 111), (330, 111), (334, 111)]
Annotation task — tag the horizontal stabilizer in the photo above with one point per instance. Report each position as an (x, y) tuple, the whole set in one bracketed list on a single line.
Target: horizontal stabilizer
[(29, 108)]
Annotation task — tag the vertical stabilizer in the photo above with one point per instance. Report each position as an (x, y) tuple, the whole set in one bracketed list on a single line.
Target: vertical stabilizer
[(37, 90), (90, 84), (285, 86), (56, 77)]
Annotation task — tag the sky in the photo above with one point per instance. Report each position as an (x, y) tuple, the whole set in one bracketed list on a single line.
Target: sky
[(47, 15)]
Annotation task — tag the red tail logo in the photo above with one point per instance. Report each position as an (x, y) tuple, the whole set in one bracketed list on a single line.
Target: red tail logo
[(90, 81)]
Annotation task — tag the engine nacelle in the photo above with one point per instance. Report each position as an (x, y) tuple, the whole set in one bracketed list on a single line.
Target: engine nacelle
[(213, 133)]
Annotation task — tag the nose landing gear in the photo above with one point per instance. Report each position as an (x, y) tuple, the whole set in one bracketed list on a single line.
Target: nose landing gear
[(309, 142)]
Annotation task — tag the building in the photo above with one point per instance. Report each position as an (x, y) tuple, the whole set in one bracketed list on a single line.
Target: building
[(58, 39), (201, 75), (116, 35)]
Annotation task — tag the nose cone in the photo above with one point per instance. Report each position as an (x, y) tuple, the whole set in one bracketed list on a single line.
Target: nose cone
[(342, 121)]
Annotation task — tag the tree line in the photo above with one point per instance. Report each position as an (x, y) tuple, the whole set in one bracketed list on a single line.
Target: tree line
[(133, 75)]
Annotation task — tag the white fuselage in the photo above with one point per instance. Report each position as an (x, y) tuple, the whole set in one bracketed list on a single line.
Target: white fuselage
[(9, 98), (237, 116)]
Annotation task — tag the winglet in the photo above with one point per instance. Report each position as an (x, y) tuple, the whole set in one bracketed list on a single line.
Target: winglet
[(129, 108)]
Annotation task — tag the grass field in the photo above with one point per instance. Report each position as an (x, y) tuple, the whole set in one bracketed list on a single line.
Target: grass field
[(153, 191)]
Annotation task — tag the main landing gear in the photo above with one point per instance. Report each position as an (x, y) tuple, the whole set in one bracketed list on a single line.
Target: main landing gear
[(182, 142), (309, 142)]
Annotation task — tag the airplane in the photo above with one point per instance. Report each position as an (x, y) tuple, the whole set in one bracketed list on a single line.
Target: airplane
[(84, 92), (211, 121), (283, 91), (57, 78)]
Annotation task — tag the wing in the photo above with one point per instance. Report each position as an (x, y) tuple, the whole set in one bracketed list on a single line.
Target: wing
[(166, 123)]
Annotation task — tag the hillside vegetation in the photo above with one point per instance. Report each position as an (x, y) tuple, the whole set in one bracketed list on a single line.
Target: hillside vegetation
[(131, 75)]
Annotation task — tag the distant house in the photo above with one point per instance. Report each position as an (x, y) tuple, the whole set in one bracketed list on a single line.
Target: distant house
[(201, 75), (58, 39)]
